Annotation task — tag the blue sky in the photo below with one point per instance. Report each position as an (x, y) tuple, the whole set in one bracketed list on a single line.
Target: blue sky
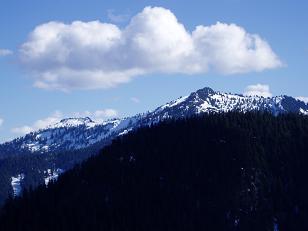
[(28, 101)]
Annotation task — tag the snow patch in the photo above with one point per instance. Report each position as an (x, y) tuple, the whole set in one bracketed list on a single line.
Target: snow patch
[(175, 102), (302, 111), (52, 175), (16, 184)]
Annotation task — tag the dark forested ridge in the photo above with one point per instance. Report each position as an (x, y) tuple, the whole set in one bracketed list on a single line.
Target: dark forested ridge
[(214, 172), (25, 160), (34, 166)]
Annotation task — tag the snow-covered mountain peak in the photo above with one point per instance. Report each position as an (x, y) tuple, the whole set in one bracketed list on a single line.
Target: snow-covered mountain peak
[(74, 122), (76, 133), (77, 119), (204, 92)]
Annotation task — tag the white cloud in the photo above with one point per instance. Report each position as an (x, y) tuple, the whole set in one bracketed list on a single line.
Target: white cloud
[(117, 18), (302, 98), (1, 121), (107, 113), (5, 52), (135, 99), (39, 124), (88, 55), (258, 89), (229, 49), (23, 130), (97, 116)]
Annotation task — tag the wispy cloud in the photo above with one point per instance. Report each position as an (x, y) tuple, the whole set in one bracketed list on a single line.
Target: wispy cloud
[(117, 18), (5, 52), (258, 89), (89, 55), (1, 121), (98, 116), (135, 99), (39, 124)]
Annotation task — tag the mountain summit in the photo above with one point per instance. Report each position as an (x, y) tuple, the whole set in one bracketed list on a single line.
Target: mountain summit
[(42, 155), (77, 133)]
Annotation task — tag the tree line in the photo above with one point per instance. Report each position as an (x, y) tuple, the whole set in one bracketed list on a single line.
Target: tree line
[(229, 171)]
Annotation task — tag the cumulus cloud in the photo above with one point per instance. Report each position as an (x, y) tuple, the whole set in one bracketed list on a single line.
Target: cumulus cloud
[(98, 116), (258, 89), (1, 121), (302, 98), (89, 55), (5, 52)]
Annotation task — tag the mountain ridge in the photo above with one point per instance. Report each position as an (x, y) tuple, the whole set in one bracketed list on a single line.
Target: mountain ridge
[(44, 154), (228, 171), (76, 133)]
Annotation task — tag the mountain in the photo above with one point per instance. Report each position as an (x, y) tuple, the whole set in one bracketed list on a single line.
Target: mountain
[(43, 154), (228, 172), (77, 133)]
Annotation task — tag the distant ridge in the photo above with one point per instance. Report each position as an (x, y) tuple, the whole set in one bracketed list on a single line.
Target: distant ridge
[(76, 133), (44, 154)]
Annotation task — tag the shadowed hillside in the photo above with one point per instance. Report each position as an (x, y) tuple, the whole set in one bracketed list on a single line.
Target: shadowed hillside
[(214, 172)]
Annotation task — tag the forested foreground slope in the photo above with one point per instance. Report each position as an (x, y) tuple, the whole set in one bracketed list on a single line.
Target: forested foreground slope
[(32, 159), (228, 171)]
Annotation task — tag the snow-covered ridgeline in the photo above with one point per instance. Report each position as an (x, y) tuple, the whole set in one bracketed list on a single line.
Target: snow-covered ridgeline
[(77, 133)]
